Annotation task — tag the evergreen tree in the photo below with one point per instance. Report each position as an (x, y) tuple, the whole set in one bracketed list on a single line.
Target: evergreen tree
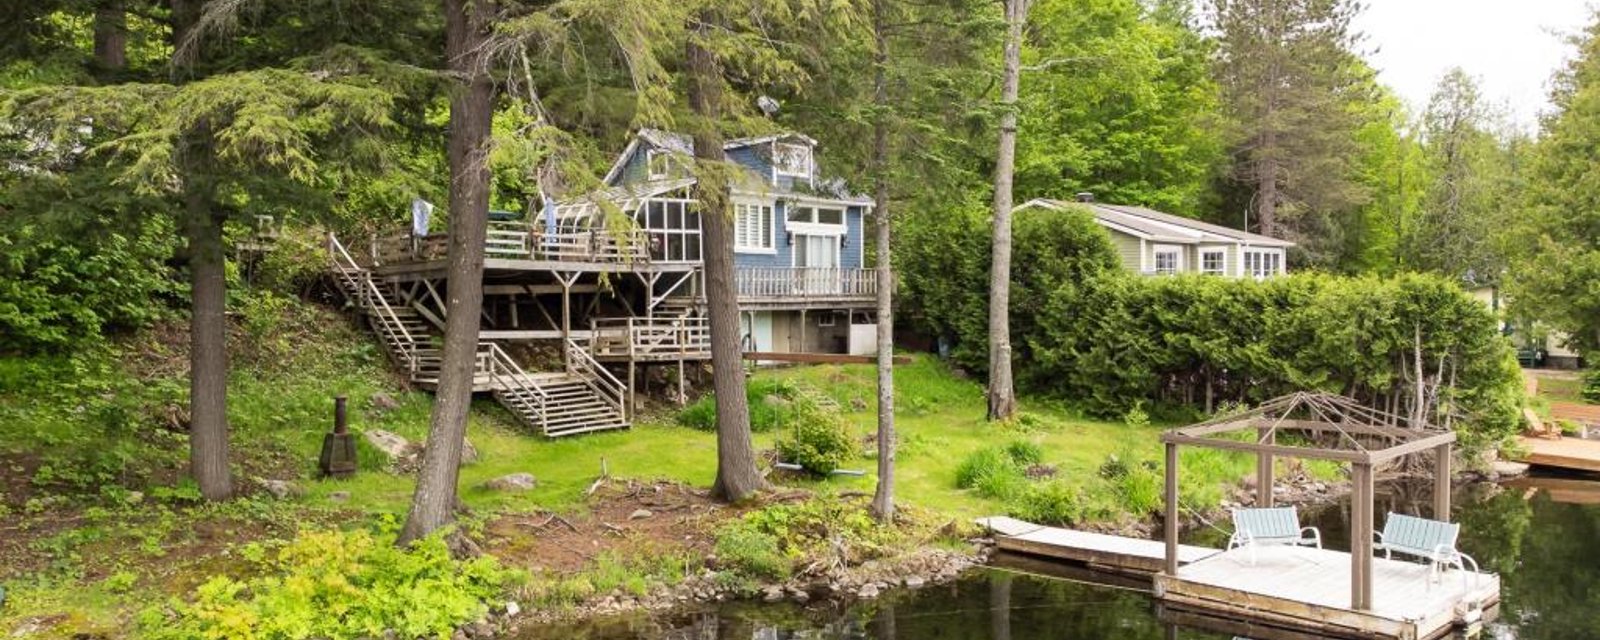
[(1289, 77), (1453, 233)]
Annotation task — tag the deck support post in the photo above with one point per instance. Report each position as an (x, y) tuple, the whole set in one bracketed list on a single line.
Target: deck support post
[(803, 348), (566, 314), (1264, 468), (683, 395), (1171, 523), (1441, 482), (1361, 537)]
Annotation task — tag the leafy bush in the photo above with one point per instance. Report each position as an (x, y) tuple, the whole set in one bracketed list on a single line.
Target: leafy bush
[(1591, 385), (981, 464), (336, 584), (1055, 503), (750, 552), (1024, 452), (820, 440), (770, 403)]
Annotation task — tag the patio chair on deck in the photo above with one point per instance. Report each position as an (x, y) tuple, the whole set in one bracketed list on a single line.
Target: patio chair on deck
[(1260, 527), (1430, 540)]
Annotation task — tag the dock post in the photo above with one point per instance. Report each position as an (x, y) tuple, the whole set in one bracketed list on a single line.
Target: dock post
[(1361, 537), (1171, 523), (1264, 468), (1441, 482)]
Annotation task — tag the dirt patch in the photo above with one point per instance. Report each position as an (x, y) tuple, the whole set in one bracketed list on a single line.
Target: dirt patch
[(623, 516)]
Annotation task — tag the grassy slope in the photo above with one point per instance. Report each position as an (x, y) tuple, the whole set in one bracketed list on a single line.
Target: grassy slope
[(104, 554)]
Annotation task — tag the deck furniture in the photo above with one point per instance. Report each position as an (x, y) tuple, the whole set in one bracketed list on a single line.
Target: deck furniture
[(1430, 540), (1258, 527)]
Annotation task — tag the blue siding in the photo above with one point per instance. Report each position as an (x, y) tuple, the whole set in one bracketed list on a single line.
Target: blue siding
[(755, 158), (850, 255)]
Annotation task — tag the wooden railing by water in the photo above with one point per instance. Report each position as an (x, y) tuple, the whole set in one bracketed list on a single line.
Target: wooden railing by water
[(804, 282)]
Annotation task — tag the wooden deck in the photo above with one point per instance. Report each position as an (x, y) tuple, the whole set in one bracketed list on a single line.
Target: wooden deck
[(1308, 589), (1563, 490), (1099, 551), (1562, 453)]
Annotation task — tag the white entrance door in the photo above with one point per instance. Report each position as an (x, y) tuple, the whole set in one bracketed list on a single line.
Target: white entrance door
[(818, 259)]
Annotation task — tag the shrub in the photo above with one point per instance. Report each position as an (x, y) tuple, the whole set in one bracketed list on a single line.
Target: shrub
[(1024, 452), (1591, 385), (1055, 502), (750, 552), (336, 584), (771, 405), (820, 441), (980, 464)]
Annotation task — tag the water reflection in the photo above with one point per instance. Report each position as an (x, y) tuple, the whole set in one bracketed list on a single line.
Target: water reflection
[(1547, 552)]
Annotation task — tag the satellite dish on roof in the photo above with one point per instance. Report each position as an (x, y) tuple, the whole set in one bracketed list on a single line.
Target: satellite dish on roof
[(767, 105)]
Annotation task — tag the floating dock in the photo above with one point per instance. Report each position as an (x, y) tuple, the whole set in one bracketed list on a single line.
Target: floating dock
[(1575, 454), (1294, 591), (1099, 551)]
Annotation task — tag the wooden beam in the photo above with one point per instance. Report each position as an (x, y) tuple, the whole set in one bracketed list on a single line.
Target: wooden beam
[(1415, 446), (1361, 537), (1264, 468), (818, 358), (1441, 482), (1275, 449), (1170, 527)]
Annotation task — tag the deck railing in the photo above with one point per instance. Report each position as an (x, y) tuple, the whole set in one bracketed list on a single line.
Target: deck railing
[(505, 372), (803, 282), (605, 385), (650, 337), (518, 241)]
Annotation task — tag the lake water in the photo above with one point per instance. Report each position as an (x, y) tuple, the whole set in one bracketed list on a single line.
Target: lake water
[(1547, 553)]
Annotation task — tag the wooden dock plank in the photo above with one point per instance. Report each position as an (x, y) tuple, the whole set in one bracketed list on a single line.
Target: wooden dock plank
[(1564, 453), (1115, 553), (1310, 588)]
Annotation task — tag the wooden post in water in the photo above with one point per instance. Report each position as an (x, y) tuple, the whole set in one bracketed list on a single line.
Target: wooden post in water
[(1361, 537), (1264, 468), (1171, 523), (1441, 483)]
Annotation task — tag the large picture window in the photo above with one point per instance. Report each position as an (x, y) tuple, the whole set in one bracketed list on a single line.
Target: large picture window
[(1263, 264), (752, 229)]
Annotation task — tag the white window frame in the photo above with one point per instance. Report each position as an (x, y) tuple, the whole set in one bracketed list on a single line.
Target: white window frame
[(803, 172), (1155, 258), (825, 319), (1222, 261), (1260, 263), (650, 164), (769, 210)]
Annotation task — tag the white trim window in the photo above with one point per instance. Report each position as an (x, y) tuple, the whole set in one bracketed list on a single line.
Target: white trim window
[(752, 228), (791, 160), (658, 164), (1168, 259), (1263, 263), (1213, 262)]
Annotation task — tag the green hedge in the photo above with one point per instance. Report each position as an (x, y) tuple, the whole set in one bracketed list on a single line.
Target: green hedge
[(1087, 330)]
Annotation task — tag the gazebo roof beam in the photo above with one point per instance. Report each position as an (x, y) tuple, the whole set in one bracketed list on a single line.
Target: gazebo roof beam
[(1336, 455), (1415, 446)]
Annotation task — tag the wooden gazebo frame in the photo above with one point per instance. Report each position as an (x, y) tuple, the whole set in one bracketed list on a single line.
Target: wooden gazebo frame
[(1345, 431)]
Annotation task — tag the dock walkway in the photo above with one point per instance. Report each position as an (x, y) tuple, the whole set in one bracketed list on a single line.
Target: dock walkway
[(1562, 453), (1293, 588)]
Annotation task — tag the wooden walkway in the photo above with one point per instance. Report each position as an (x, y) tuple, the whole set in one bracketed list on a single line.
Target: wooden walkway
[(1577, 411), (1306, 588), (1116, 554), (1298, 592), (1562, 453), (1563, 490)]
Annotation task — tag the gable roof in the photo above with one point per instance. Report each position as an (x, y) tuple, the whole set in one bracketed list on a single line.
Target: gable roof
[(682, 143), (1154, 225)]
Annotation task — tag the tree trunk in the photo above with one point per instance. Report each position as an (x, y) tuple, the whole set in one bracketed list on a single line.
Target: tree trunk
[(208, 291), (737, 476), (1267, 187), (1002, 391), (883, 497), (471, 115), (208, 329), (110, 36)]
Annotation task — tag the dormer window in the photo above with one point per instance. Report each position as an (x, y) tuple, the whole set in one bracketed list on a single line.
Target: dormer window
[(790, 159), (662, 164)]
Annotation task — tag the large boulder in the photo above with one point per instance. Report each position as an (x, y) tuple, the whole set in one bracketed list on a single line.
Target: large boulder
[(406, 456)]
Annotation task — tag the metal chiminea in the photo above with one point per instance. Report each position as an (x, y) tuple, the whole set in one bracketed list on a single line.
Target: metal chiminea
[(338, 458)]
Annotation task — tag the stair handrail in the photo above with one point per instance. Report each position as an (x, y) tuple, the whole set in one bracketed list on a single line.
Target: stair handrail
[(501, 364), (391, 323), (605, 385)]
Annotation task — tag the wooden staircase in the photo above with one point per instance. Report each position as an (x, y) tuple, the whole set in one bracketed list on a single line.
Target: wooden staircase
[(584, 397)]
